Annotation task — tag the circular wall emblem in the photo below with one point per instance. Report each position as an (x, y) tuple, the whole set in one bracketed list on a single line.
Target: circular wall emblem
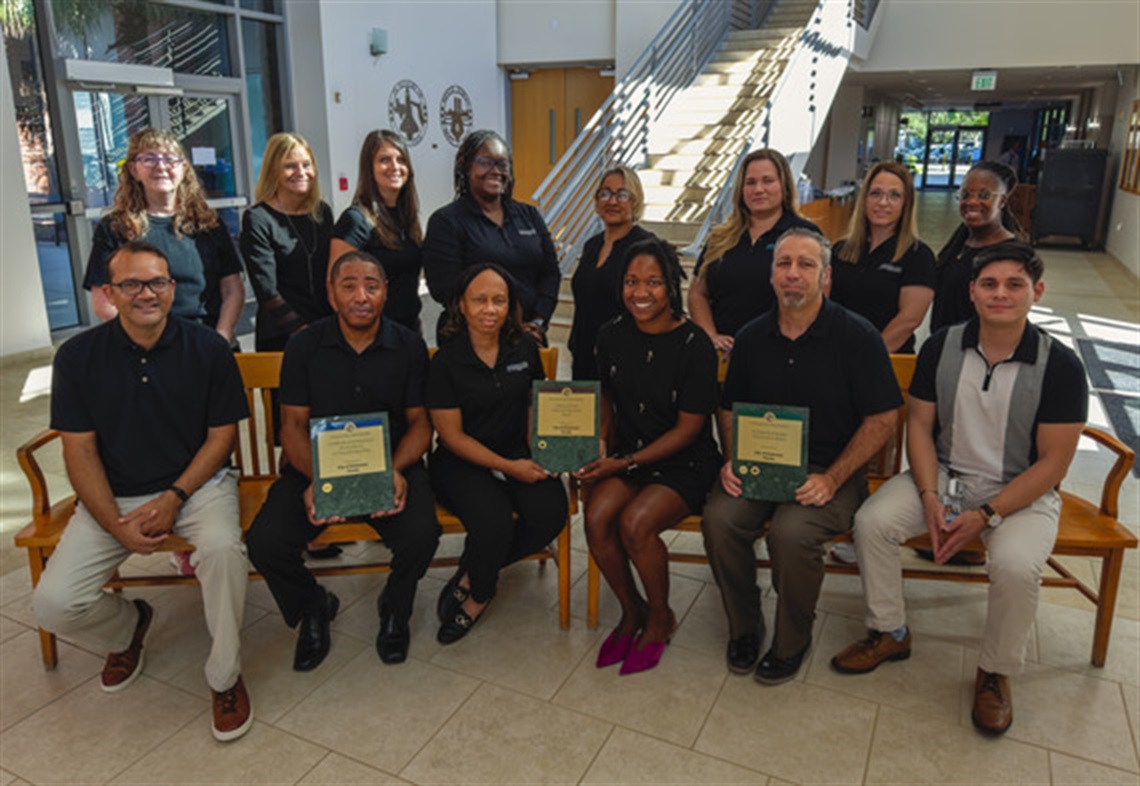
[(407, 111), (455, 114)]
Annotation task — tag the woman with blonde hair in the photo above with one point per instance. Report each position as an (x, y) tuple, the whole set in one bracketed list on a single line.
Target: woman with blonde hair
[(618, 201), (160, 200), (732, 283), (384, 221), (882, 271), (285, 240)]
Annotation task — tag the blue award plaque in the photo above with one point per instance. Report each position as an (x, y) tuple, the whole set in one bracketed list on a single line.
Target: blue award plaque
[(352, 465), (566, 424), (770, 450)]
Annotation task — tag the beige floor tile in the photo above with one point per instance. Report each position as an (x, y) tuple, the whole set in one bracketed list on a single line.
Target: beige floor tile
[(503, 649), (1068, 771), (1064, 638), (361, 620), (682, 592), (503, 737), (704, 628), (267, 667), (102, 733), (928, 683), (912, 749), (765, 729), (26, 685), (336, 770), (379, 715), (632, 758), (842, 595), (1132, 707), (6, 778), (9, 629), (264, 755)]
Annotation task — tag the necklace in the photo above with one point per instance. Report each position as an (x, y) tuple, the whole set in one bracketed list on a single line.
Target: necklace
[(309, 251)]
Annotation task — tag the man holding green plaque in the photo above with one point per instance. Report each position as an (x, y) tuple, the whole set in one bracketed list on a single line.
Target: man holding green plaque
[(352, 363), (806, 353)]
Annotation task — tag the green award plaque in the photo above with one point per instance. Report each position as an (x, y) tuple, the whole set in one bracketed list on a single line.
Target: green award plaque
[(352, 465), (770, 450), (566, 424)]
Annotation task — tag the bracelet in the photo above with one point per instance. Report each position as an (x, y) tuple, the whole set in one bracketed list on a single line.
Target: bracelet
[(928, 491), (182, 495), (630, 463)]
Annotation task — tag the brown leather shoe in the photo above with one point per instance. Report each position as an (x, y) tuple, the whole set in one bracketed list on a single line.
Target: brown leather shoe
[(233, 715), (122, 668), (993, 702), (866, 655)]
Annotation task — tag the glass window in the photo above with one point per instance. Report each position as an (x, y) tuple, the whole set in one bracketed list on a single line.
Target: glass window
[(262, 84), (33, 121), (50, 231), (267, 6), (202, 125), (106, 122), (131, 31)]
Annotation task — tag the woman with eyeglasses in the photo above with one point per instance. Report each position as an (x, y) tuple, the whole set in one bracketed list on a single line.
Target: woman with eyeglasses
[(160, 200), (983, 204), (384, 221), (285, 243), (485, 224), (882, 271), (732, 280), (618, 201)]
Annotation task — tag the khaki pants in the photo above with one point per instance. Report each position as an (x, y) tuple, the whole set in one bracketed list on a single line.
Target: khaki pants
[(1016, 554), (70, 599)]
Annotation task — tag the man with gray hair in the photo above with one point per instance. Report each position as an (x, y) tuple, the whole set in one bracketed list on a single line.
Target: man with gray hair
[(806, 352)]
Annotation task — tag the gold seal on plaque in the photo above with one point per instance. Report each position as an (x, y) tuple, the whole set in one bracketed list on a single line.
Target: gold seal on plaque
[(754, 469), (542, 444), (743, 469), (326, 488)]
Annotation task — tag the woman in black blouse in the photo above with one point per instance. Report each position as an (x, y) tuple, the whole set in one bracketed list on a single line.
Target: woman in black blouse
[(479, 396), (983, 203), (285, 242), (384, 220), (658, 374), (882, 271), (485, 224), (618, 202)]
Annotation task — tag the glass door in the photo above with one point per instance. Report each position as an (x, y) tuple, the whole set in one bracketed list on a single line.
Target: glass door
[(939, 157), (969, 143)]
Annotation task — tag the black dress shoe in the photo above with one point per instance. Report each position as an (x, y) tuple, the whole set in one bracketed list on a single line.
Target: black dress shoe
[(776, 671), (456, 627), (451, 598), (743, 653), (393, 639), (313, 639)]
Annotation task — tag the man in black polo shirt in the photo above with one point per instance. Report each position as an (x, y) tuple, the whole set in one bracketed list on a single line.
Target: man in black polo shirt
[(346, 364), (148, 405), (811, 353)]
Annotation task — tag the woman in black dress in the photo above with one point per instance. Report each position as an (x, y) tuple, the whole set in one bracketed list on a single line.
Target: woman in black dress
[(618, 202), (479, 395), (384, 220), (285, 242), (485, 224), (983, 203), (882, 271), (658, 374)]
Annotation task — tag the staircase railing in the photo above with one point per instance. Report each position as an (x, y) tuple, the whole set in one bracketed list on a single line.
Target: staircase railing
[(618, 133)]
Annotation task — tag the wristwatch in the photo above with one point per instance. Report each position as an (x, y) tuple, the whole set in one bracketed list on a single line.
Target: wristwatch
[(993, 518)]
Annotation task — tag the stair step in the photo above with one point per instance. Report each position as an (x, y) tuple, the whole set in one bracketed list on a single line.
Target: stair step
[(679, 233)]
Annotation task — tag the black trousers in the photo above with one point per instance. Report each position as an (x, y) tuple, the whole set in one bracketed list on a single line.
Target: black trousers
[(485, 505), (281, 530)]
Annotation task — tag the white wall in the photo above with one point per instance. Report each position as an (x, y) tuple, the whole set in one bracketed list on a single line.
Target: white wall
[(636, 22), (938, 34), (307, 83), (555, 31), (1122, 238), (843, 137), (23, 313), (434, 44)]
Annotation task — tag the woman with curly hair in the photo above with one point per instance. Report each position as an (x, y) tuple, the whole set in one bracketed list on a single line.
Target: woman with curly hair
[(484, 224), (384, 220), (160, 200)]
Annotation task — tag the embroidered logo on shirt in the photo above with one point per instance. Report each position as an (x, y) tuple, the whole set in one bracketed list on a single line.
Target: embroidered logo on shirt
[(528, 232), (887, 266), (522, 365)]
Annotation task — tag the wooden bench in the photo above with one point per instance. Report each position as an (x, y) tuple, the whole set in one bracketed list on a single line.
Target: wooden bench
[(1085, 530), (256, 458)]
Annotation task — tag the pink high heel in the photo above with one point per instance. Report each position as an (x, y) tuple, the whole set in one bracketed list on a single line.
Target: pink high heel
[(644, 658), (614, 649)]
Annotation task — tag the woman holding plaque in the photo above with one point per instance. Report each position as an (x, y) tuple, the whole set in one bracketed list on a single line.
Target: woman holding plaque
[(384, 220), (618, 201), (881, 270), (479, 398), (658, 374)]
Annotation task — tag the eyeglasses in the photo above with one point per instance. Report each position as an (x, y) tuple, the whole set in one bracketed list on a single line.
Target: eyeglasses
[(132, 287), (150, 161), (501, 164), (983, 195), (878, 195), (605, 195)]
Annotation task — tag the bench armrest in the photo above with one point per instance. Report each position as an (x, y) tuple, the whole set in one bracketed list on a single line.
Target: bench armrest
[(25, 455), (1125, 457)]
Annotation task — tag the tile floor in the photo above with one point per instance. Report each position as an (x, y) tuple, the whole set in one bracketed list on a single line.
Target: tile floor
[(520, 702)]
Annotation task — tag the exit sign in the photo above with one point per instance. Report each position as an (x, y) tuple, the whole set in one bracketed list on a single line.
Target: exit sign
[(984, 80)]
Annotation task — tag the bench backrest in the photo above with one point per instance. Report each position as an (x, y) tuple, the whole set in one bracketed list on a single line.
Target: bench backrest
[(888, 461)]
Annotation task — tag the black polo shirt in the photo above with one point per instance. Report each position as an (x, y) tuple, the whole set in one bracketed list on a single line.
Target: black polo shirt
[(870, 285), (740, 282), (322, 372), (839, 368), (150, 409), (460, 235), (401, 265), (494, 402)]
